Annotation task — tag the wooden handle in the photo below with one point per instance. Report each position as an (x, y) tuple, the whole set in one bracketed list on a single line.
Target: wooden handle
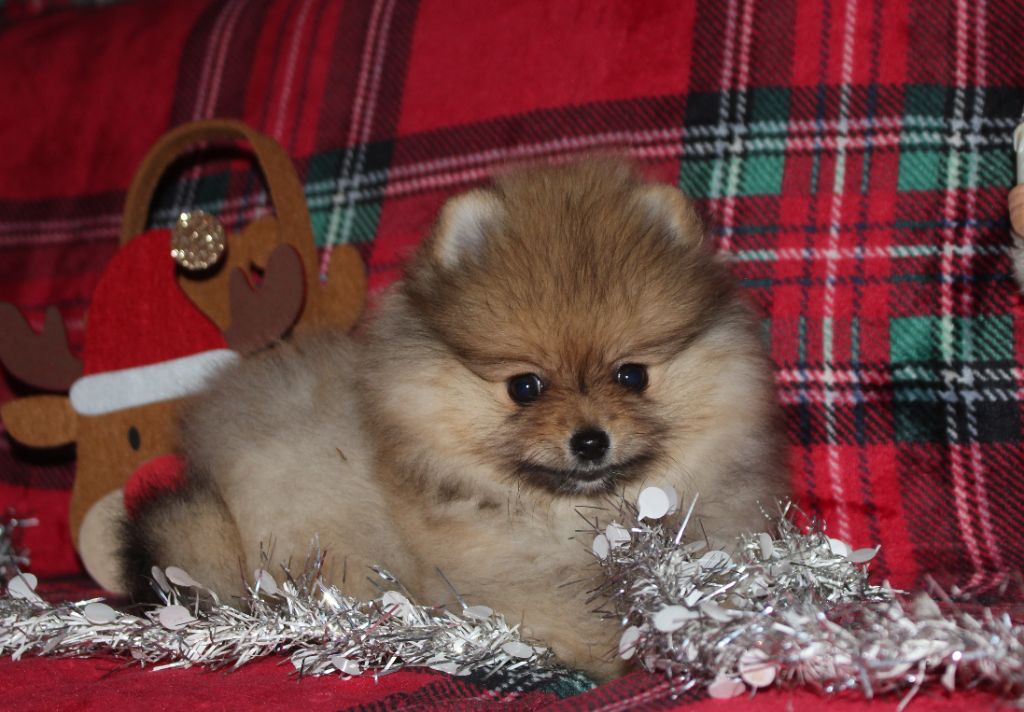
[(286, 193)]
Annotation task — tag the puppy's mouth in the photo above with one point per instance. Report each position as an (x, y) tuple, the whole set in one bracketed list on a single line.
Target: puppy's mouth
[(590, 480)]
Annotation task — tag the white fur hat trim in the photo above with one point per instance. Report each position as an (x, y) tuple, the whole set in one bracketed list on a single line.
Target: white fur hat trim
[(111, 391)]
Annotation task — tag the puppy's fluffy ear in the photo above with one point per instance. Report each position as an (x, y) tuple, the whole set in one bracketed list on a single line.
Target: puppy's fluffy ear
[(463, 224), (668, 206)]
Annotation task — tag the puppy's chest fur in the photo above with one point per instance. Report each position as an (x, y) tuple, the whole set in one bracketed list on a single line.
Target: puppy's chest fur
[(523, 553), (448, 518)]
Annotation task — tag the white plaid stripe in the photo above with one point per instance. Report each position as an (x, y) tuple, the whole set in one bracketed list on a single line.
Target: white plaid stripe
[(343, 204), (835, 474), (967, 376), (210, 80), (958, 466), (283, 105), (728, 145)]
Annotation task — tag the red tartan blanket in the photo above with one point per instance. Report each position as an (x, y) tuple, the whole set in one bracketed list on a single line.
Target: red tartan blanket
[(853, 157), (32, 685)]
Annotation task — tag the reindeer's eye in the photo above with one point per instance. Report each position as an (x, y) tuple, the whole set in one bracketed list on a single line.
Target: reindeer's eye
[(134, 439)]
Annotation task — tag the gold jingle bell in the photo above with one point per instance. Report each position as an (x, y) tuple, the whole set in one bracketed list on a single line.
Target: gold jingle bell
[(197, 240)]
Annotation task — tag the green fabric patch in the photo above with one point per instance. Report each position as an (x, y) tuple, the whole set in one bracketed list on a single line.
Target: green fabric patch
[(570, 684), (322, 170), (207, 194), (918, 339), (924, 100), (913, 339), (336, 224), (762, 175), (695, 176), (991, 338), (919, 422), (769, 104), (995, 168), (356, 223), (922, 169)]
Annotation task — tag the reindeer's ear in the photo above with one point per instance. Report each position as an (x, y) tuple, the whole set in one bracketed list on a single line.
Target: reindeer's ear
[(42, 360), (668, 206), (462, 225), (262, 315), (40, 421)]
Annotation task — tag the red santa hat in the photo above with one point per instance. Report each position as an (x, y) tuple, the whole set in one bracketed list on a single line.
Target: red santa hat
[(146, 342)]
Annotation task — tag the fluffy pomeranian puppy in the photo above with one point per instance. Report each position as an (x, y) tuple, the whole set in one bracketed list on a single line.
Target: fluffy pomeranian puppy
[(560, 336)]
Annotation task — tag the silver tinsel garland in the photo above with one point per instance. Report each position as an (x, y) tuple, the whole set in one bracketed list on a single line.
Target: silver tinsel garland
[(321, 629), (11, 559), (789, 609)]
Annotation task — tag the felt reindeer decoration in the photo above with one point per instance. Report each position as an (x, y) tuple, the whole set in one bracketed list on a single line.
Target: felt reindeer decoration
[(155, 335)]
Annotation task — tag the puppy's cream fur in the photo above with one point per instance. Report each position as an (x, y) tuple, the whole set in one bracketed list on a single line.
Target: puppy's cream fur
[(404, 449)]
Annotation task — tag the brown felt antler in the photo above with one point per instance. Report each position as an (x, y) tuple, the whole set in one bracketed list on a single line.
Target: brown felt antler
[(263, 314), (42, 360)]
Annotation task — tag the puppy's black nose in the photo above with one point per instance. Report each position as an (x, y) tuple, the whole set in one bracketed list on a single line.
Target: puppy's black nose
[(589, 444)]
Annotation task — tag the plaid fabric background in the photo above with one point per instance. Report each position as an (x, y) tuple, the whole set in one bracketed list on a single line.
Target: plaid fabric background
[(852, 157)]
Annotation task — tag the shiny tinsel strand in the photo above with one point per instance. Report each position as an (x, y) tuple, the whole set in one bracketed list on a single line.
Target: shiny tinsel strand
[(321, 629), (12, 559), (789, 609)]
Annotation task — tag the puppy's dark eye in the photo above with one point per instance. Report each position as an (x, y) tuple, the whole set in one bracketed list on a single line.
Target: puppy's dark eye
[(134, 439), (632, 376), (525, 388)]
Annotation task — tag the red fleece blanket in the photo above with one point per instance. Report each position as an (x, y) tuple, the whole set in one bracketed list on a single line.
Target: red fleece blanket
[(62, 686), (852, 157)]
